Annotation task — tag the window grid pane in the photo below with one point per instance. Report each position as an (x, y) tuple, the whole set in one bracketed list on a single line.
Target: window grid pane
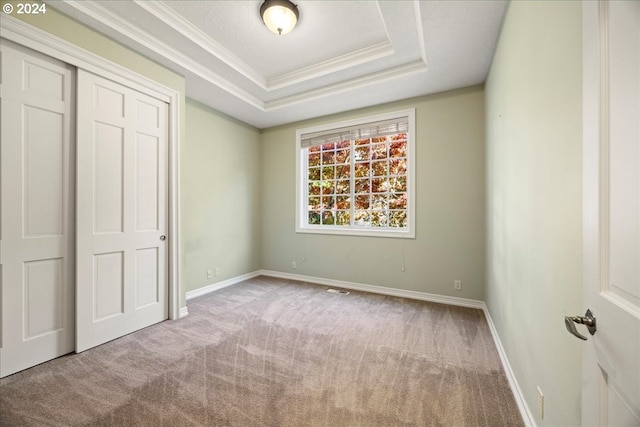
[(366, 190)]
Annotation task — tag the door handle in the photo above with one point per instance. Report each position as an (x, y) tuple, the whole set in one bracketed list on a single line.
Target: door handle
[(588, 320), (163, 237)]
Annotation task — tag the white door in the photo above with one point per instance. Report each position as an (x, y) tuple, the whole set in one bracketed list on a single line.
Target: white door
[(37, 228), (121, 211), (611, 273)]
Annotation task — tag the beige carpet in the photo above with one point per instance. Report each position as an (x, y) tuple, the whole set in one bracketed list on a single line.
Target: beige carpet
[(270, 352)]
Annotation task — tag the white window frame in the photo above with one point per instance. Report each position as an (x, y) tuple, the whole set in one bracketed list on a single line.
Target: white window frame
[(302, 178)]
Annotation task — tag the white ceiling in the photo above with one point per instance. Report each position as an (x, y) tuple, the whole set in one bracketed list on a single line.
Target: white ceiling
[(342, 55)]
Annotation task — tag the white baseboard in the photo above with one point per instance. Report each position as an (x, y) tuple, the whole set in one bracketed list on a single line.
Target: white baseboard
[(219, 285), (525, 412), (184, 312), (423, 296)]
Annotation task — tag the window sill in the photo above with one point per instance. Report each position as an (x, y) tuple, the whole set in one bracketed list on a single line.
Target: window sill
[(365, 232)]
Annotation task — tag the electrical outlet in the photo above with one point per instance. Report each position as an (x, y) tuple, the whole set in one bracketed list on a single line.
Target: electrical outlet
[(294, 265), (209, 274), (457, 284), (216, 272), (540, 404)]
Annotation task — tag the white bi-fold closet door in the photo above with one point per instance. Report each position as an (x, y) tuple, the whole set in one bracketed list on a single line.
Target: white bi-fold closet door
[(83, 214)]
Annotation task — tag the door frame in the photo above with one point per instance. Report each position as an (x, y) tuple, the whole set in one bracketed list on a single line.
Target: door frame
[(592, 220), (26, 35)]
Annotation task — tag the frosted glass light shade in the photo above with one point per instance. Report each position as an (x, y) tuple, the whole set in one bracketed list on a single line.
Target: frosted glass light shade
[(280, 16)]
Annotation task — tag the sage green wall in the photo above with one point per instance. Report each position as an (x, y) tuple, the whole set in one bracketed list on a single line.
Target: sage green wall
[(450, 223), (534, 213), (220, 196)]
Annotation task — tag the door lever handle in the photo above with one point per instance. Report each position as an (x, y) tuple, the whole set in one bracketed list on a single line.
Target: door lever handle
[(588, 320)]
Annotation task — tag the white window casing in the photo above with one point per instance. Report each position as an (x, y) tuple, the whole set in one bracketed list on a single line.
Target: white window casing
[(357, 177)]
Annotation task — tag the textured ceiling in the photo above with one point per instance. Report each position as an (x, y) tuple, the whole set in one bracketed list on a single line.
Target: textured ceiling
[(342, 54)]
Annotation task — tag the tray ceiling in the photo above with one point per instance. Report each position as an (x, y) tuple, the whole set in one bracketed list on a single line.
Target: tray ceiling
[(342, 54)]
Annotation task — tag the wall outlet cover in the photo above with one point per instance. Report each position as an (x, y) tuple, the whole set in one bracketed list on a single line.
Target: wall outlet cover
[(540, 404)]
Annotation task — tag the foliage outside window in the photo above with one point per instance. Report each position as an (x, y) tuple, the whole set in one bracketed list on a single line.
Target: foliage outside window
[(356, 177)]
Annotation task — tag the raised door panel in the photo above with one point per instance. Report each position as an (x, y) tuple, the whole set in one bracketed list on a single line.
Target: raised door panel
[(108, 282), (110, 101), (44, 81), (43, 172), (43, 290), (108, 165), (148, 283), (147, 182)]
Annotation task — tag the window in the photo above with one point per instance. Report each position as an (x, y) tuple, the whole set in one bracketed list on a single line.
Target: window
[(357, 177)]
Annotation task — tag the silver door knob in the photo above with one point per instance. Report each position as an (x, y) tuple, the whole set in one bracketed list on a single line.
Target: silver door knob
[(163, 237), (588, 320)]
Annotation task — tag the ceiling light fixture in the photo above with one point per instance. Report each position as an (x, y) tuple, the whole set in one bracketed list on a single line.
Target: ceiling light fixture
[(280, 16)]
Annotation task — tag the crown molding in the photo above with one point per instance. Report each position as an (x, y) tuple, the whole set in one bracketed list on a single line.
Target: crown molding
[(355, 83), (352, 59), (190, 31), (420, 30), (92, 9), (202, 39), (199, 37), (396, 57)]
